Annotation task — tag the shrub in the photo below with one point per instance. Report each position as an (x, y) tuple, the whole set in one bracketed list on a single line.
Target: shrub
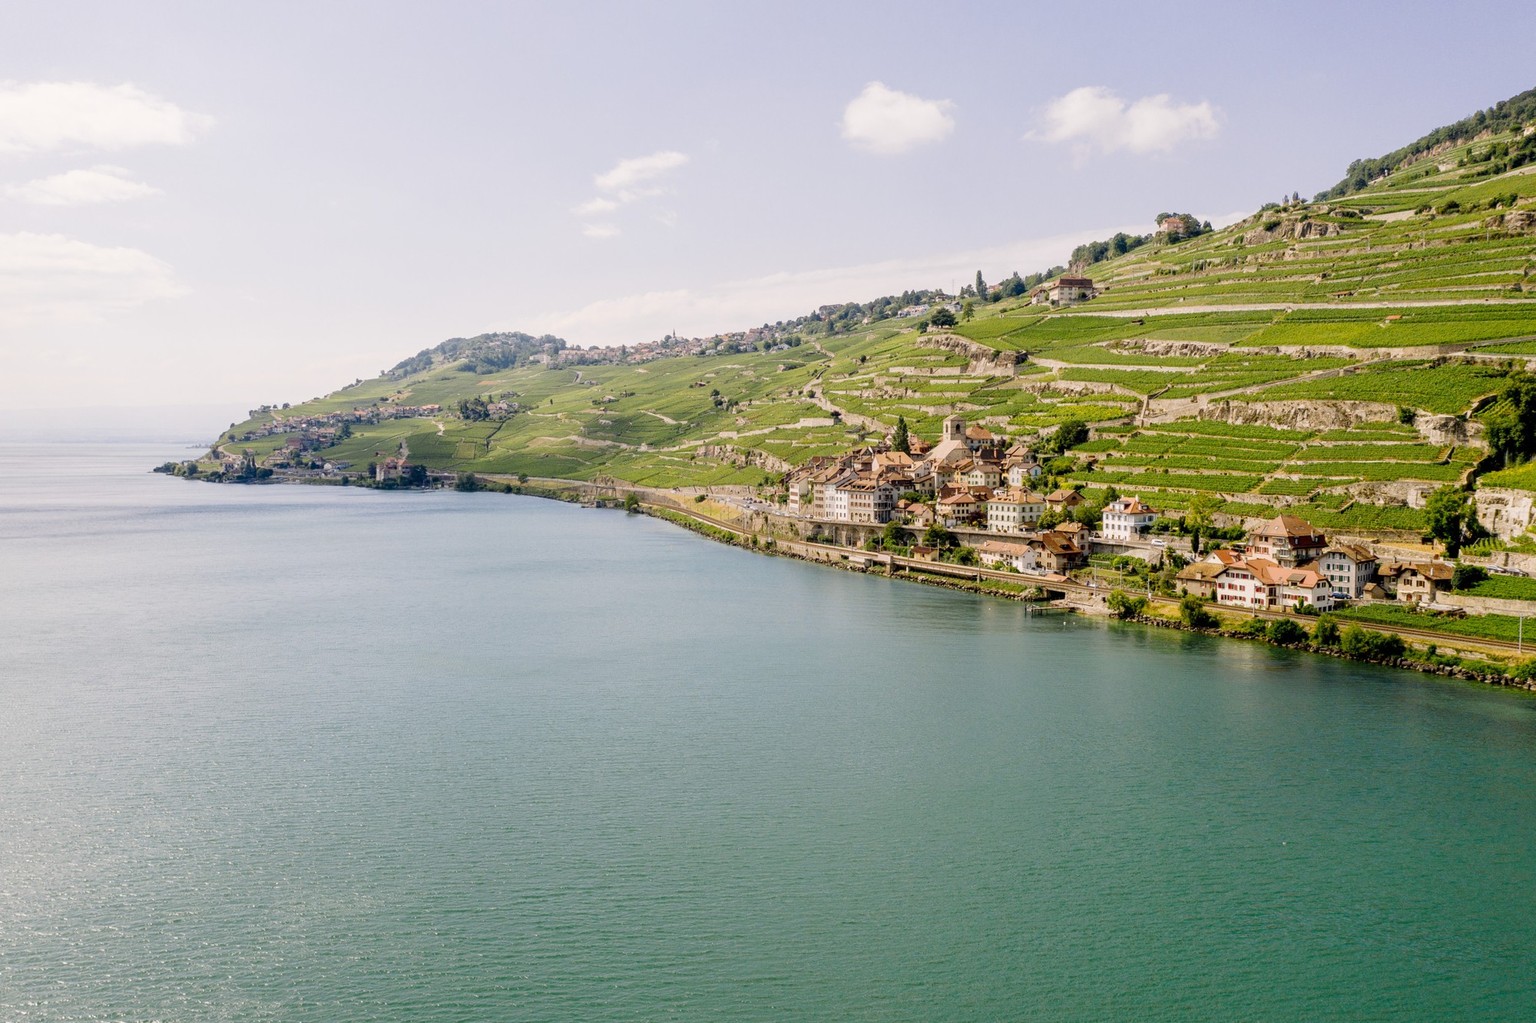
[(1192, 613), (1371, 646), (1285, 632), (1326, 633), (1125, 605)]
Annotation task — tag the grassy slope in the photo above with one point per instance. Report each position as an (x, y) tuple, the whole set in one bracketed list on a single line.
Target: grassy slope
[(1382, 289)]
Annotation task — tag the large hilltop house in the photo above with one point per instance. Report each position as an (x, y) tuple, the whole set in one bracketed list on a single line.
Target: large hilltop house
[(1063, 291)]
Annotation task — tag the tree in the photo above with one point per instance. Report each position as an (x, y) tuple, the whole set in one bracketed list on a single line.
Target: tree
[(900, 439), (1125, 605), (1452, 517), (966, 312), (1193, 613), (1325, 634), (981, 286), (1511, 422), (943, 316), (893, 535), (937, 536), (1070, 434), (1465, 577), (1202, 507), (631, 502)]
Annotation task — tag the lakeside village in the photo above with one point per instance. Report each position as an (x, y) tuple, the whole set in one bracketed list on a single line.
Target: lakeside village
[(972, 499)]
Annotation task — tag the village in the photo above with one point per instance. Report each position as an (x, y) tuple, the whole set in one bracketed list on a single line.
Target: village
[(973, 496)]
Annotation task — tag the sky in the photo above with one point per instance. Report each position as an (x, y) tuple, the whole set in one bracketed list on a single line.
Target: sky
[(233, 204)]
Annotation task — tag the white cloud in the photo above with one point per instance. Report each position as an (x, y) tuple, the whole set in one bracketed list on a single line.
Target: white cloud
[(628, 181), (733, 305), (1094, 117), (887, 122), (79, 187), (630, 173), (37, 117), (595, 207), (48, 278)]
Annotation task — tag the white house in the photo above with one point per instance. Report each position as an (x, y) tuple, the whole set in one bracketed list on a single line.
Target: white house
[(1349, 568), (1014, 510), (1021, 557), (1127, 518)]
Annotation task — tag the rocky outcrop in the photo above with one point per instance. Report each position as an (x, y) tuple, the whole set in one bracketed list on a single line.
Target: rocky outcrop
[(1300, 415), (1513, 221), (1444, 430), (984, 361), (1290, 228), (1175, 349), (745, 457), (1505, 512)]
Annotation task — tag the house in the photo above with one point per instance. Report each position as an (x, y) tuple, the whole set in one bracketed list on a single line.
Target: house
[(1302, 586), (1258, 583), (1241, 584), (1022, 469), (1063, 290), (1127, 518), (978, 437), (833, 496), (959, 510), (1349, 568), (1287, 540), (1199, 577), (1063, 500), (1014, 510), (800, 491), (981, 474), (1421, 583), (1059, 552), (1021, 557), (870, 501)]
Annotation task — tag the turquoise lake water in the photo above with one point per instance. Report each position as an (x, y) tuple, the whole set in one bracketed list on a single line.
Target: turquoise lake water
[(288, 753)]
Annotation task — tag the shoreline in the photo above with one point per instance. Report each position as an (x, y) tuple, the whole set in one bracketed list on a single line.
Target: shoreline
[(972, 580), (721, 533)]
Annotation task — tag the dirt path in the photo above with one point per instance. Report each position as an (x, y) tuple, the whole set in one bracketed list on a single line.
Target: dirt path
[(665, 419)]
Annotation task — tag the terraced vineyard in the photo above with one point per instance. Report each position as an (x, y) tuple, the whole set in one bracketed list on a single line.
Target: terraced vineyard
[(1267, 365)]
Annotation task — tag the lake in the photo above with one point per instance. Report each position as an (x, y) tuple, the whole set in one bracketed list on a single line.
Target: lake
[(303, 753)]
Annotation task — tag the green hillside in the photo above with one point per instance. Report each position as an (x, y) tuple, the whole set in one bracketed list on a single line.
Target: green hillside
[(1338, 353)]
